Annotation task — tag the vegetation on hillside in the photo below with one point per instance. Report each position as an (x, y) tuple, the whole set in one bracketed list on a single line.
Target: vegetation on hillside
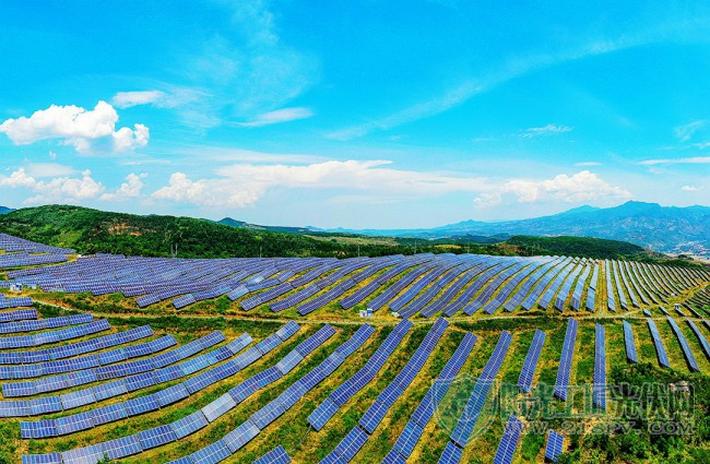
[(91, 231)]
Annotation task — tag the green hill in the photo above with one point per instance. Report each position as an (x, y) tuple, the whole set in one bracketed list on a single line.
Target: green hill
[(91, 231)]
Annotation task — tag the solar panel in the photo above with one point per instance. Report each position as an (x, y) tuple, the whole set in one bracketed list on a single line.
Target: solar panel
[(122, 447), (240, 436), (452, 454), (218, 407), (599, 386), (689, 357), (565, 366), (156, 436), (658, 343), (531, 360), (555, 446), (509, 441), (277, 455), (631, 354), (211, 454), (701, 338)]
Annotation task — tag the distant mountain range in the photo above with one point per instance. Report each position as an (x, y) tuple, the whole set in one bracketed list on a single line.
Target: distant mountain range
[(662, 228), (5, 210)]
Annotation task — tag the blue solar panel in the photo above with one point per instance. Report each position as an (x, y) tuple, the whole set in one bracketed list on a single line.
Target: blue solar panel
[(211, 454), (701, 338), (509, 441), (658, 343), (531, 360), (555, 446), (218, 407), (277, 455), (565, 365), (474, 406), (49, 458), (348, 447), (689, 357), (156, 436), (240, 436), (452, 454), (122, 447), (631, 353), (599, 386)]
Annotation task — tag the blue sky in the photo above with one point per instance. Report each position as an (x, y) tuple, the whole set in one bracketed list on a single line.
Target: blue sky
[(354, 114)]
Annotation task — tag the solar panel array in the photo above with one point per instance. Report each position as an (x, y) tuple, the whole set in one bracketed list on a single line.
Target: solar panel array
[(599, 385), (112, 371), (422, 415), (565, 366), (245, 432), (425, 283), (464, 427), (346, 450), (531, 360), (509, 441), (555, 446), (164, 397), (323, 413), (75, 349), (85, 362)]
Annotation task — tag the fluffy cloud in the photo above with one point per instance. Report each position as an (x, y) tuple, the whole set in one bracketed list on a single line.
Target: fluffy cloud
[(55, 189), (550, 129), (278, 116), (689, 188), (131, 188), (243, 185), (579, 187), (76, 126)]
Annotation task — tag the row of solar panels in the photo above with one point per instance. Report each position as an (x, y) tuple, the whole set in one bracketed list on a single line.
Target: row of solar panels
[(11, 244), (78, 398), (561, 284), (174, 393), (111, 370)]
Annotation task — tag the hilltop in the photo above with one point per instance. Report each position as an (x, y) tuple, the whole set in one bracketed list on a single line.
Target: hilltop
[(5, 209)]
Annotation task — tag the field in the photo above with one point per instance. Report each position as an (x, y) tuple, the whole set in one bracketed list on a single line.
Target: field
[(496, 281)]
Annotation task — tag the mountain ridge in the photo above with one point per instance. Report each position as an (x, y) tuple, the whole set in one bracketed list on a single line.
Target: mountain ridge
[(669, 229)]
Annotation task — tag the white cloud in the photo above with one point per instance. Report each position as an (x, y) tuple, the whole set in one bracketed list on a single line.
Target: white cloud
[(686, 131), (131, 188), (242, 185), (278, 116), (136, 98), (690, 188), (688, 160), (582, 186), (55, 189), (126, 139), (549, 129), (583, 164), (48, 170), (75, 126)]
